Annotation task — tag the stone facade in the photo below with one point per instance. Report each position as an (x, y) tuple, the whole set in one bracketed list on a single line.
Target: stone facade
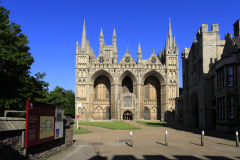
[(128, 90), (210, 89)]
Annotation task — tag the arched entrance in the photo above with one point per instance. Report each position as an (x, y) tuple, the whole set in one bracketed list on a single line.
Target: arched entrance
[(146, 113), (127, 115)]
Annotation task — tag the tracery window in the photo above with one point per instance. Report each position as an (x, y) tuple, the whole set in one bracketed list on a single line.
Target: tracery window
[(127, 101)]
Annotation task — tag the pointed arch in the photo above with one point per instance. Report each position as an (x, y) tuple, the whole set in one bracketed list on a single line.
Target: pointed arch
[(129, 74), (154, 73), (100, 73)]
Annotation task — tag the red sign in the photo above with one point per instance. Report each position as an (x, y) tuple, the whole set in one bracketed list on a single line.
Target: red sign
[(77, 116), (40, 123)]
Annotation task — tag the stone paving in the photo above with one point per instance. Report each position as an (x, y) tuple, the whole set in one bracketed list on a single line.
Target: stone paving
[(183, 144)]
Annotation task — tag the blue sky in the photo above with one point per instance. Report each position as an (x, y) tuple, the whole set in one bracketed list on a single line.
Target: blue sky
[(53, 26)]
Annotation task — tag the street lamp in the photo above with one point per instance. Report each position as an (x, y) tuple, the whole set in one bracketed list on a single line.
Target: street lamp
[(76, 109)]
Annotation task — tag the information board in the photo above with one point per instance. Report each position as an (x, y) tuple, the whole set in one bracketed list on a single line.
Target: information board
[(59, 122), (41, 120)]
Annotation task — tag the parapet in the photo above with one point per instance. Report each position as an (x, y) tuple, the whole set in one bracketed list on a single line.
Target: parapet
[(12, 123), (215, 27), (204, 28), (185, 52)]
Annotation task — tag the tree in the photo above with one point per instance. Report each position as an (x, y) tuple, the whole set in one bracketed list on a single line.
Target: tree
[(70, 106), (60, 96), (16, 84)]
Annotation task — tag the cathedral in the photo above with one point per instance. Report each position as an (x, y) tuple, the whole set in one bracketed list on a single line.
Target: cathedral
[(129, 90)]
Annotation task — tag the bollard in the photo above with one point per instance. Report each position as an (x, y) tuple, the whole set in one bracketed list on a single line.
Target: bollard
[(237, 140), (166, 141), (131, 139), (202, 138), (77, 124), (145, 124)]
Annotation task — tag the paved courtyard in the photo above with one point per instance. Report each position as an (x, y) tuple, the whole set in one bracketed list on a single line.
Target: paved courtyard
[(183, 143)]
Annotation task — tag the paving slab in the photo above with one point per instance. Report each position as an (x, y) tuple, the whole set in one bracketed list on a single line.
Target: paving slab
[(149, 144)]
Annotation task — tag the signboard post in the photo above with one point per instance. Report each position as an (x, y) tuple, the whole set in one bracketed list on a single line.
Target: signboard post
[(77, 120), (44, 122)]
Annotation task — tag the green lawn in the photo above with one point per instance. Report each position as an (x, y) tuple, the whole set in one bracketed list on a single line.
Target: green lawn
[(151, 124), (109, 125), (80, 130)]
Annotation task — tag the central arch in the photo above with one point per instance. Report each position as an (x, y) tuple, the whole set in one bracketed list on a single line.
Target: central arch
[(129, 74)]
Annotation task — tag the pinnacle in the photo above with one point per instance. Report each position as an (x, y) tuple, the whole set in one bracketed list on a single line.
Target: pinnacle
[(139, 48), (114, 32), (101, 33)]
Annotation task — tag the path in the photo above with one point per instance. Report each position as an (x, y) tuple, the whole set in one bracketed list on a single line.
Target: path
[(149, 144)]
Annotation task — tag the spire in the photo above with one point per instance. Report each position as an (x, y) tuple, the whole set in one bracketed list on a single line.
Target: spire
[(139, 48), (114, 33), (170, 42), (101, 33), (84, 38)]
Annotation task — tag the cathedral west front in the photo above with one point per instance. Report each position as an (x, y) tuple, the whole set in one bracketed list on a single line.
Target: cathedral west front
[(129, 90)]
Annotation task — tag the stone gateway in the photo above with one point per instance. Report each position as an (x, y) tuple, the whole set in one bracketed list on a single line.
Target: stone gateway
[(128, 90)]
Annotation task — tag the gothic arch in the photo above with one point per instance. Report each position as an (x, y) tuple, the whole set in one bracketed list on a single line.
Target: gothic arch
[(100, 73), (127, 73), (154, 73)]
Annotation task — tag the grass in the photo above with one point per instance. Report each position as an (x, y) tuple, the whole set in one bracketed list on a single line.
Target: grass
[(80, 130), (151, 124), (109, 125)]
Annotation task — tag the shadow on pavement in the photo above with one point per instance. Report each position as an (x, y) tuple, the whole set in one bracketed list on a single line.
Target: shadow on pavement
[(160, 143), (210, 133), (159, 157)]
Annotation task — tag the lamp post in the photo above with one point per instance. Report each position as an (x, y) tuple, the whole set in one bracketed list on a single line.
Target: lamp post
[(77, 116)]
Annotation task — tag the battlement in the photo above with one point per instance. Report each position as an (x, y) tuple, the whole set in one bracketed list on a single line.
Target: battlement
[(204, 29)]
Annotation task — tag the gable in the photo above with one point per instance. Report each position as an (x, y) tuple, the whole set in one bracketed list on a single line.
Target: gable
[(127, 59), (153, 59)]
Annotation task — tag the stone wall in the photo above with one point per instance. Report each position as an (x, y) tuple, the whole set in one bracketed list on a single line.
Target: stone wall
[(11, 146)]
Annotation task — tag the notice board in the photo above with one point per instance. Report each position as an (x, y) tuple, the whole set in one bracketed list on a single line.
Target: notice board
[(44, 122)]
